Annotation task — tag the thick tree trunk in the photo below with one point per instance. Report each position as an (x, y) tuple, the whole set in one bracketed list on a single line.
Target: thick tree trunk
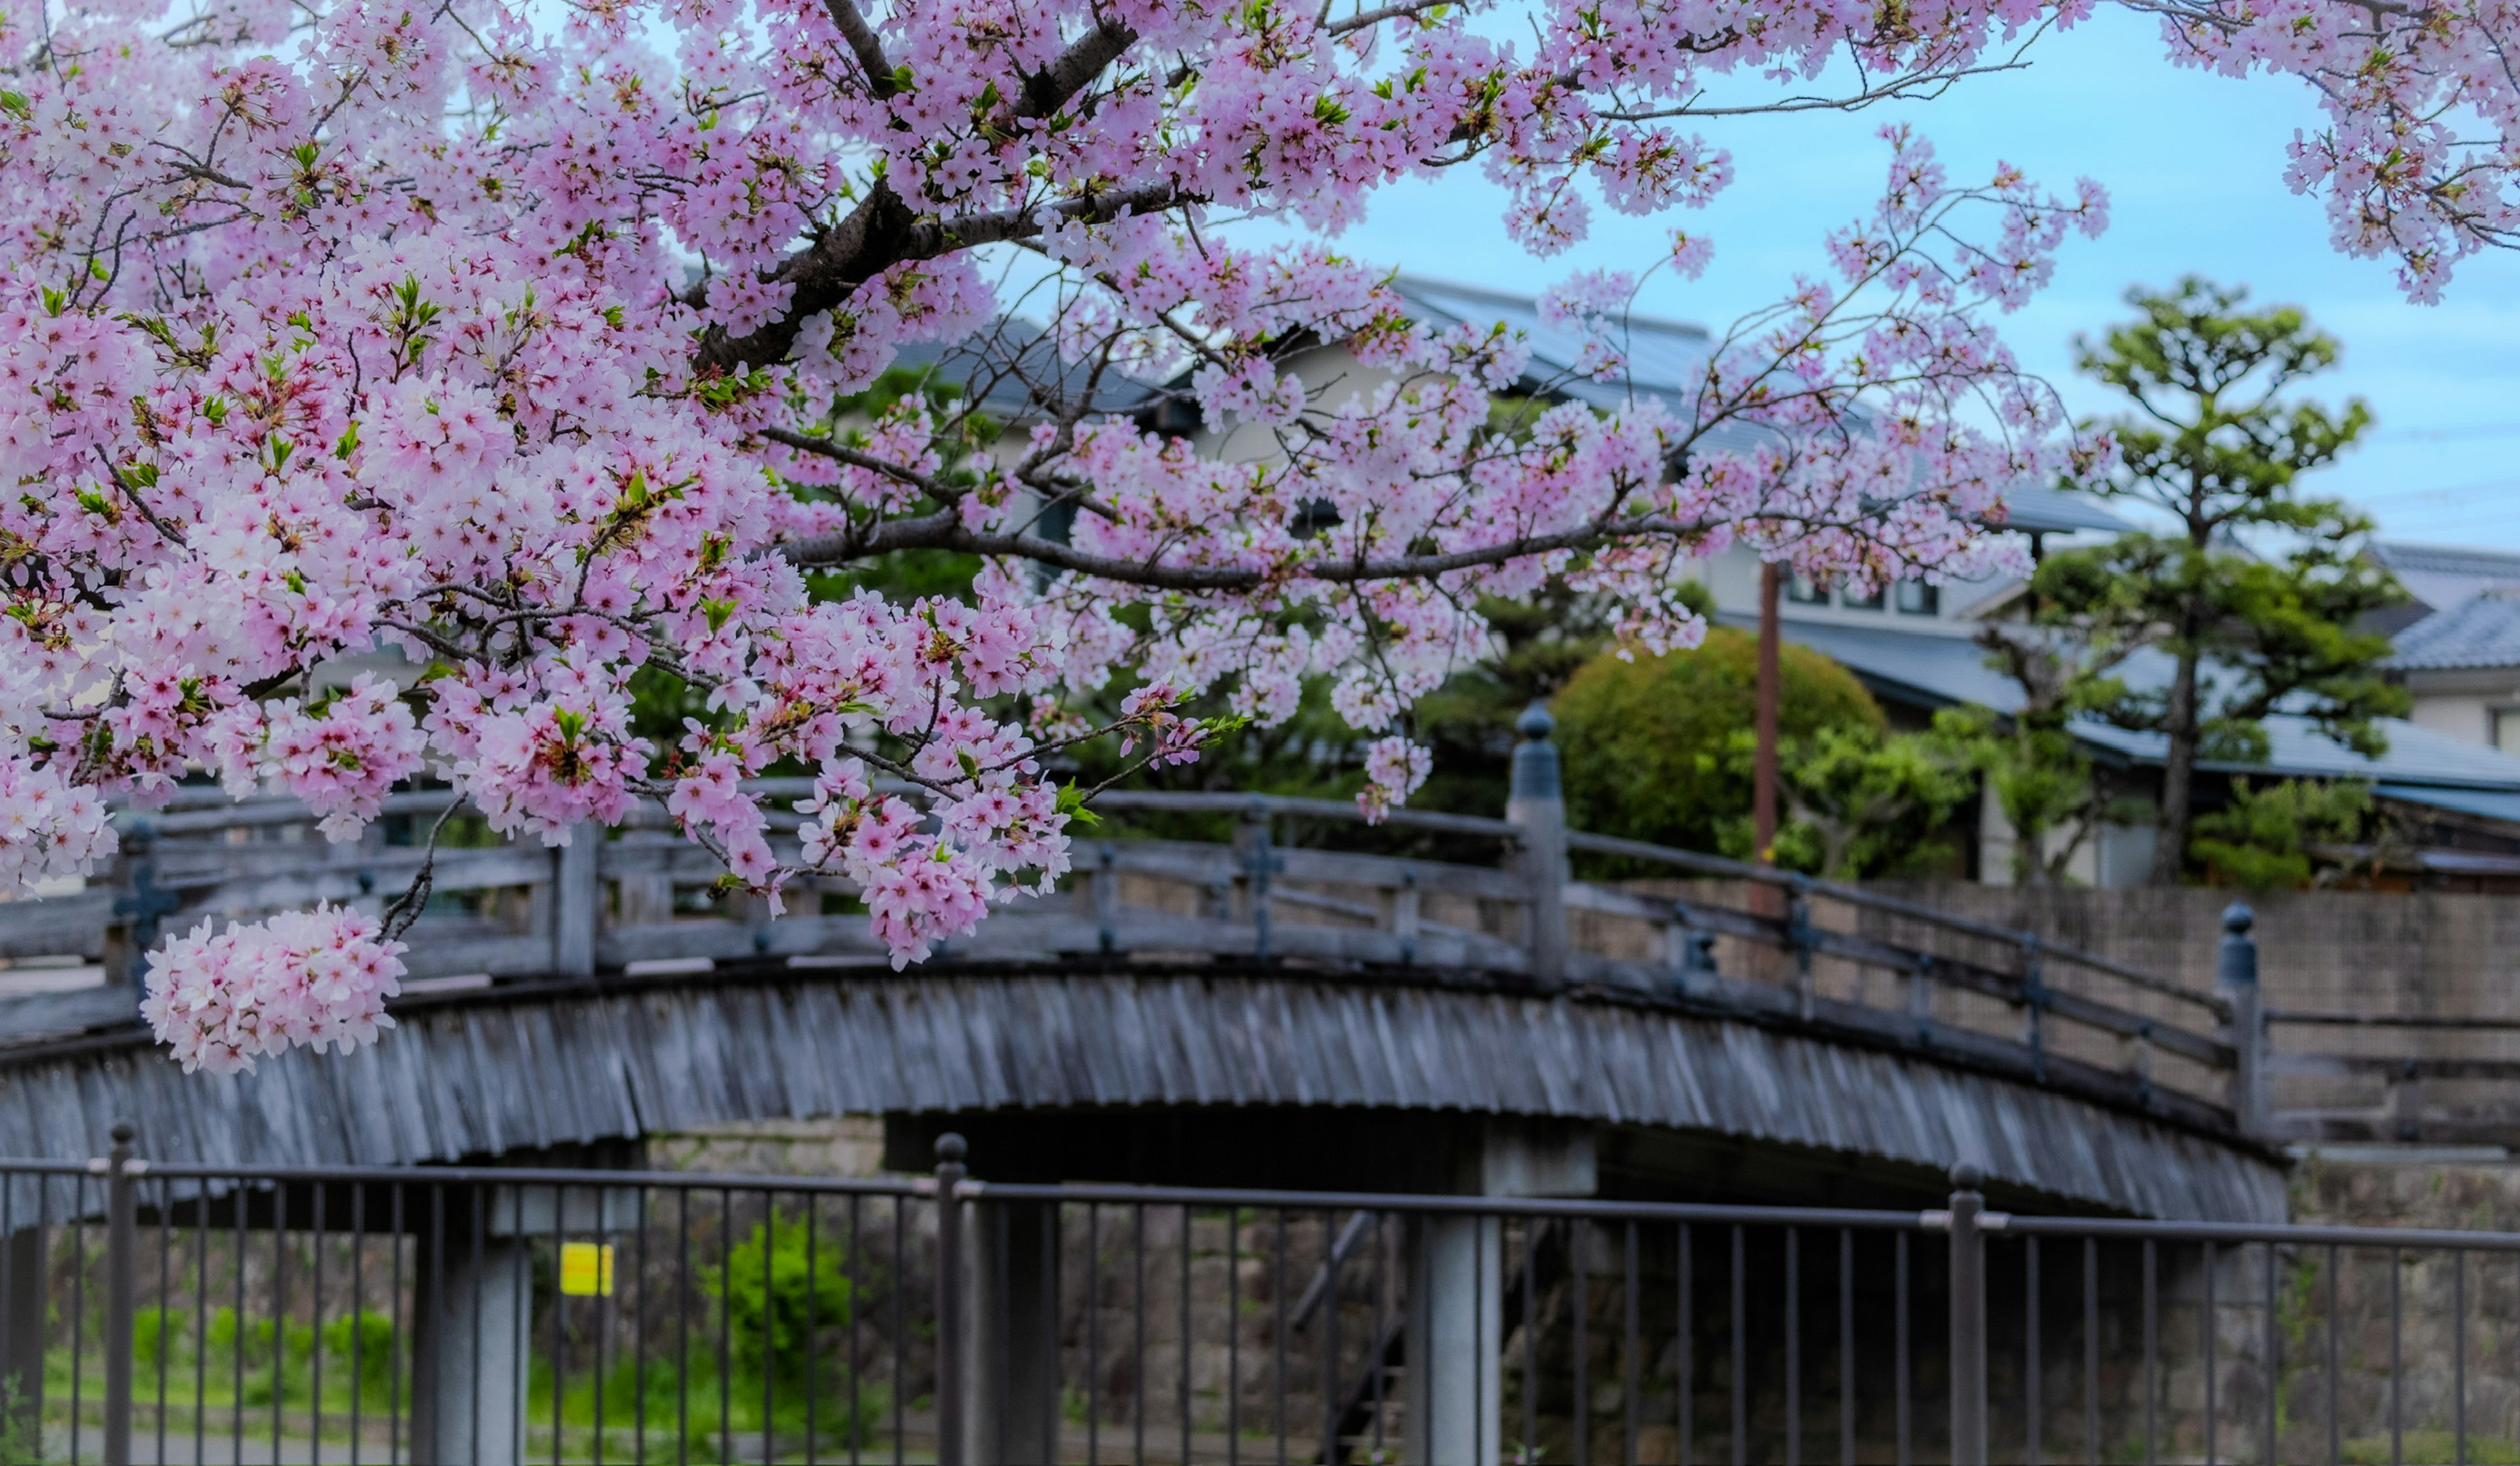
[(2178, 776)]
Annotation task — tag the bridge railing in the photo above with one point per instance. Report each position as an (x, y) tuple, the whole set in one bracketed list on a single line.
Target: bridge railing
[(1500, 907), (643, 901)]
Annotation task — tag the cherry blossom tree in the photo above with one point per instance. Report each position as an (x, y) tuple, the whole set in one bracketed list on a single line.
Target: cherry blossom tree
[(519, 340)]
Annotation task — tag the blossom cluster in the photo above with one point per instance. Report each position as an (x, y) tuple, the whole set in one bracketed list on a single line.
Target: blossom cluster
[(316, 978), (529, 344)]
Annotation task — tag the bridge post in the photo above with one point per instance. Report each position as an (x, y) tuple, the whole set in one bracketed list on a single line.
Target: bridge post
[(1536, 803), (1456, 1342), (1011, 1382), (473, 1300), (2235, 977), (1454, 1386)]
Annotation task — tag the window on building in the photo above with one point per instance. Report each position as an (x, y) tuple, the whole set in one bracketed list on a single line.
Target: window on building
[(2503, 724), (1806, 592), (1917, 598), (1857, 598)]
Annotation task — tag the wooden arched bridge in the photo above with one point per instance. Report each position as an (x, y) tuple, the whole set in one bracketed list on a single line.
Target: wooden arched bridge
[(1212, 956)]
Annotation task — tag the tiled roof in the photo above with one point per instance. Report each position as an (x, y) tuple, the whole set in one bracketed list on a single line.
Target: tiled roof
[(1941, 671), (1018, 374), (1666, 360), (2441, 576), (2481, 631)]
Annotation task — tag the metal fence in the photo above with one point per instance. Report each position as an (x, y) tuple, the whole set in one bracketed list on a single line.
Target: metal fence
[(161, 1313)]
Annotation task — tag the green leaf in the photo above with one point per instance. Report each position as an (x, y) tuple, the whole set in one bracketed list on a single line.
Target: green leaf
[(1072, 803)]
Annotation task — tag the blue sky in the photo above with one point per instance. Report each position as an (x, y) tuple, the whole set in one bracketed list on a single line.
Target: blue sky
[(2193, 164)]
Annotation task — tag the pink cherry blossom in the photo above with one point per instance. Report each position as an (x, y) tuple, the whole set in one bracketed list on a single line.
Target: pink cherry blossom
[(519, 341)]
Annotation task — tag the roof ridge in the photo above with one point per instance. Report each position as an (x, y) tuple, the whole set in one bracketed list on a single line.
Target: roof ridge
[(1405, 280)]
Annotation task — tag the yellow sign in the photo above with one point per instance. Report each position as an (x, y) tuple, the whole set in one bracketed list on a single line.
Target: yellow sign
[(586, 1269)]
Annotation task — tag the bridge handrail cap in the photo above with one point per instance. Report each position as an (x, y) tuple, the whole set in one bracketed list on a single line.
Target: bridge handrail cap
[(2238, 918)]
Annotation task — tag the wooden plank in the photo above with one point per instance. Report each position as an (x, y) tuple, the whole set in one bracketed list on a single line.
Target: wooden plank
[(71, 923)]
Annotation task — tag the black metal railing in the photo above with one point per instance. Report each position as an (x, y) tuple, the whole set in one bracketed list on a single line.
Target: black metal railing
[(161, 1311)]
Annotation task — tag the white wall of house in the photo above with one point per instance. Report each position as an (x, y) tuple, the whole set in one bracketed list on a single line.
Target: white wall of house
[(1953, 609), (2473, 704)]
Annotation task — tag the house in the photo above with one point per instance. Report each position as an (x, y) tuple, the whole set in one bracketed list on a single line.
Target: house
[(2453, 790), (2455, 804), (2458, 640)]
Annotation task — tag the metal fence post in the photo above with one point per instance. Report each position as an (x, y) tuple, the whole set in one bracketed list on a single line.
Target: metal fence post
[(1536, 803), (2235, 977), (121, 1262), (950, 1171), (1968, 1319)]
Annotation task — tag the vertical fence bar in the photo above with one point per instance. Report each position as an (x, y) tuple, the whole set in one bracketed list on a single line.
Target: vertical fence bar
[(1793, 1347), (315, 1312), (2030, 1375), (2275, 1356), (2397, 1360), (2091, 1349), (1533, 1232), (950, 1170), (726, 1330), (1138, 1339), (1279, 1288), (2458, 1357), (2212, 1372), (1899, 1313), (358, 1323), (1632, 1383), (1232, 1336), (2151, 1355), (167, 1287), (1684, 1366), (2335, 1401), (1968, 1319), (1579, 1277), (1188, 1224), (1740, 1356), (1846, 1347), (78, 1306), (121, 1262)]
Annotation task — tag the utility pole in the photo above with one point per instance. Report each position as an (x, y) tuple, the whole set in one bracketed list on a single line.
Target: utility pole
[(1763, 769)]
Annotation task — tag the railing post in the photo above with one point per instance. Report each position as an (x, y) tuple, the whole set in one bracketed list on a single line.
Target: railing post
[(121, 1262), (577, 900), (1106, 900), (1968, 1319), (2235, 977), (950, 1171), (139, 904), (1535, 804), (1804, 939), (1259, 864)]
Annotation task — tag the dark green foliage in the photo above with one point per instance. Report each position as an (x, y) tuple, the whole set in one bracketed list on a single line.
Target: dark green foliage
[(776, 1299), (1650, 746), (1858, 802), (2256, 592), (2260, 839), (2038, 775), (1468, 723)]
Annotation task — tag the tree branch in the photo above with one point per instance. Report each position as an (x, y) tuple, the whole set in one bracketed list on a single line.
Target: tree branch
[(882, 232), (944, 530), (864, 46)]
